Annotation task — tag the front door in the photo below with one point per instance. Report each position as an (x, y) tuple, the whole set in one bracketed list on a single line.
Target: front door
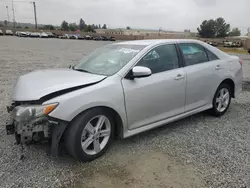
[(159, 96)]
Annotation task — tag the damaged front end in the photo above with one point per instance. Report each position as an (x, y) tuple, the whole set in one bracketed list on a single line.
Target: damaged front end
[(31, 123)]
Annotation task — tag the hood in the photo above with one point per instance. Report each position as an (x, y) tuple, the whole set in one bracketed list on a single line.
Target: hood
[(38, 84)]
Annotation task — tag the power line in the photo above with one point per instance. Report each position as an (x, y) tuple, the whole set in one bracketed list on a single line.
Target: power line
[(14, 20), (20, 1)]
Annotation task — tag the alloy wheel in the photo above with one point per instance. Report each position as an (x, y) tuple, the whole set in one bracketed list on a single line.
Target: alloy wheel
[(95, 135), (222, 100)]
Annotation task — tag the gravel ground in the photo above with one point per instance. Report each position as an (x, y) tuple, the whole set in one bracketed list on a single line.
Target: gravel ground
[(199, 151)]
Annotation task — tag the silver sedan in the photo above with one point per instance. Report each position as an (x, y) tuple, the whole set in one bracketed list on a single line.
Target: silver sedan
[(121, 90)]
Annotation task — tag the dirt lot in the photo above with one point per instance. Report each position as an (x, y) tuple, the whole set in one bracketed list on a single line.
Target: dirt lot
[(199, 151)]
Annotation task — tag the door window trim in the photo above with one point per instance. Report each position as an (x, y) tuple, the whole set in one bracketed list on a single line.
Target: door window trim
[(207, 50)]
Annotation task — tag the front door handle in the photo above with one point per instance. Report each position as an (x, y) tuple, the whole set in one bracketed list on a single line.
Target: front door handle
[(218, 67), (179, 77)]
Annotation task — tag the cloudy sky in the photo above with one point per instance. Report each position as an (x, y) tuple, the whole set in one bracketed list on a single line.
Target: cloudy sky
[(151, 14)]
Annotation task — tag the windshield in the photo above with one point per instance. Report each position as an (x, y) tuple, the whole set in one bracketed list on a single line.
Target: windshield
[(109, 59)]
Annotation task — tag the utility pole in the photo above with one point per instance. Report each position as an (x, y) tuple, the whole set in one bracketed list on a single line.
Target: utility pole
[(34, 4), (14, 20), (8, 14)]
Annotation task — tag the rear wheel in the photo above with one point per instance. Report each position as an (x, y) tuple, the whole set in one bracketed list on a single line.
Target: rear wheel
[(221, 100), (90, 134)]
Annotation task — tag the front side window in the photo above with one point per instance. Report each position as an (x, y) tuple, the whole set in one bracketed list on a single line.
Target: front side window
[(109, 59), (193, 53), (160, 59)]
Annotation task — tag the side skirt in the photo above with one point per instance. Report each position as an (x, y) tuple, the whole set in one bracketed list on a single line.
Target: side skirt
[(129, 133)]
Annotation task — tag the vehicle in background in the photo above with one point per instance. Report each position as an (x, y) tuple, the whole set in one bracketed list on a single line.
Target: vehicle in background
[(50, 35), (44, 35), (249, 50), (34, 34), (62, 36), (239, 44), (212, 43), (77, 36), (73, 36), (24, 34), (111, 38), (121, 90), (9, 32), (27, 33), (233, 44), (68, 36), (81, 37), (104, 38), (56, 35), (97, 38), (89, 37), (228, 44), (1, 32)]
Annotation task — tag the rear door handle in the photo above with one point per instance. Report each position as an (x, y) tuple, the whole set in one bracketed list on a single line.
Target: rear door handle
[(179, 77), (218, 67)]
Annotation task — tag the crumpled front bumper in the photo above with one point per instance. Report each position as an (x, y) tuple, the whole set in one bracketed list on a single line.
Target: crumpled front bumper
[(38, 130), (32, 131)]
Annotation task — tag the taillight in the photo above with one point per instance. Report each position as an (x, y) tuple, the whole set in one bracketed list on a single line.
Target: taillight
[(241, 62)]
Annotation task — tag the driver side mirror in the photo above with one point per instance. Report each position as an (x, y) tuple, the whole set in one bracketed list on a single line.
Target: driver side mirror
[(139, 72)]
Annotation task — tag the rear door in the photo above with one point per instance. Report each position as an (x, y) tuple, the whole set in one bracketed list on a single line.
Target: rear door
[(202, 68)]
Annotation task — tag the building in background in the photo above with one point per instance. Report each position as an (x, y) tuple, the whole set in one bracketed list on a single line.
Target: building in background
[(144, 32)]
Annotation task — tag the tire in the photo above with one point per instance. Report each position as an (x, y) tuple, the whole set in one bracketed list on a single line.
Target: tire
[(215, 110), (79, 132)]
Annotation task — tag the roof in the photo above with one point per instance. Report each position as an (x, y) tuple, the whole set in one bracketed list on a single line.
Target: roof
[(156, 41), (153, 42)]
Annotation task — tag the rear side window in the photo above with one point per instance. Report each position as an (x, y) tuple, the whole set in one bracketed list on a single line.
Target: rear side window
[(193, 53), (211, 56)]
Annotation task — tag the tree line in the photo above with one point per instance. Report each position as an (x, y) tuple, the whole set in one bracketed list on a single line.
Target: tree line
[(65, 26), (217, 28)]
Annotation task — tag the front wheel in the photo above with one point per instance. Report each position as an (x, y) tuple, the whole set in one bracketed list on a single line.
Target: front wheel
[(221, 100), (90, 134)]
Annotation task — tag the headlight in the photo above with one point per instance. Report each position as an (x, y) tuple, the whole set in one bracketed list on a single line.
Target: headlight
[(30, 112)]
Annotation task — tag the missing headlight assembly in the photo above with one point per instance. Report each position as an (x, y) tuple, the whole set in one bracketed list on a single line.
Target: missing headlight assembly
[(30, 123)]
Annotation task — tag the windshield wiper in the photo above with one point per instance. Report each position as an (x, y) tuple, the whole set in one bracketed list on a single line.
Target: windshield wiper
[(82, 70)]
